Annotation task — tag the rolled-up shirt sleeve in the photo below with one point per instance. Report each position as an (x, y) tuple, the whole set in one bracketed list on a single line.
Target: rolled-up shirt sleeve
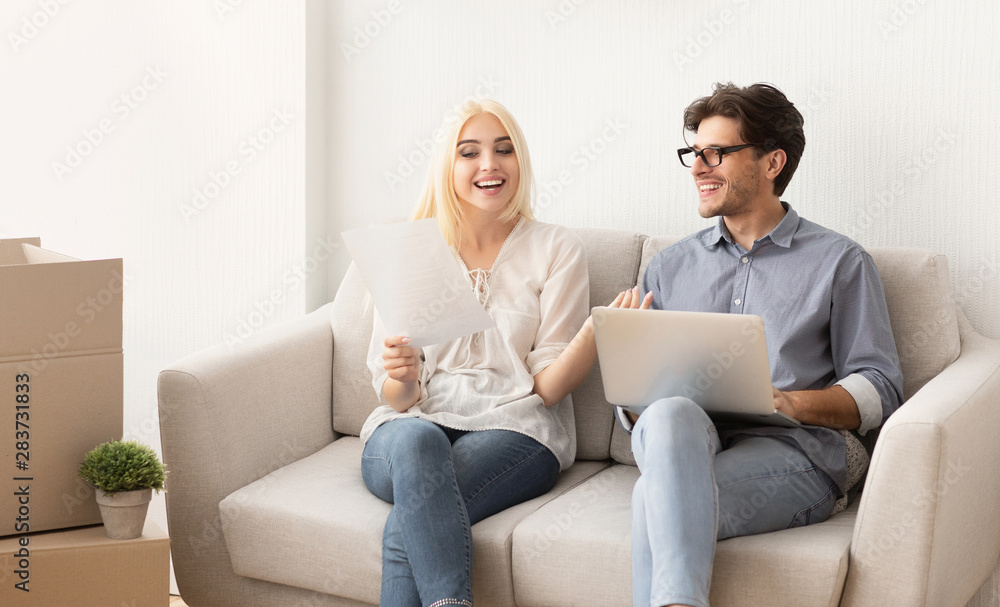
[(864, 352), (867, 398)]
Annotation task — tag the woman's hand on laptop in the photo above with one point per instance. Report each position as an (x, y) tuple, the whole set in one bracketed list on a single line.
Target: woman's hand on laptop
[(629, 298), (563, 376)]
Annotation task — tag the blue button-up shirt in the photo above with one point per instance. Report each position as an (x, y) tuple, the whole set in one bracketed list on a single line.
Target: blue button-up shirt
[(825, 317)]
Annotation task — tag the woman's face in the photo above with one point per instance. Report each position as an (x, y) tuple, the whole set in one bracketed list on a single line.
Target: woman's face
[(486, 174)]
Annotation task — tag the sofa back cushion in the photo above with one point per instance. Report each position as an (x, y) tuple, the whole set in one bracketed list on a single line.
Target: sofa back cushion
[(351, 318), (621, 443), (918, 291), (922, 311), (613, 258)]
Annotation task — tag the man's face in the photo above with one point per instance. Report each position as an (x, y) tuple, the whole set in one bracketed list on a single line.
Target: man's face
[(730, 188)]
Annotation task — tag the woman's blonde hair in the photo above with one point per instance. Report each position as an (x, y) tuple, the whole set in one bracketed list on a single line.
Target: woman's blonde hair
[(439, 199)]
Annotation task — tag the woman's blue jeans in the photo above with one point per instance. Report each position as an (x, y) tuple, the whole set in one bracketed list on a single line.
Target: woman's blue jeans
[(692, 492), (441, 482)]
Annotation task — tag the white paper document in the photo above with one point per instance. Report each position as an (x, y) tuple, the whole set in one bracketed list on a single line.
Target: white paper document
[(419, 288)]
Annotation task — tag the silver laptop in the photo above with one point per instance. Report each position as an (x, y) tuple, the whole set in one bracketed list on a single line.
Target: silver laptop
[(717, 360)]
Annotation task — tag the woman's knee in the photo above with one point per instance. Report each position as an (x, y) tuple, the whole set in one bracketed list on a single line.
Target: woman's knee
[(406, 447), (410, 437)]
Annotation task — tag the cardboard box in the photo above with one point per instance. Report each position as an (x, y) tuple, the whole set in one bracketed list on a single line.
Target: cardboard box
[(60, 382), (83, 568)]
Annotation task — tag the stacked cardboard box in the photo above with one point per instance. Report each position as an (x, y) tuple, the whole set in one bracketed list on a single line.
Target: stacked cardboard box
[(83, 568), (61, 395), (60, 382)]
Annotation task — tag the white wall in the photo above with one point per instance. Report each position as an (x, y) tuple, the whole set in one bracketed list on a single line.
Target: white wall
[(899, 99), (204, 85), (598, 87)]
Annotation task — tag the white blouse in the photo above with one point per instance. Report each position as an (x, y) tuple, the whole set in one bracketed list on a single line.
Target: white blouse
[(538, 295)]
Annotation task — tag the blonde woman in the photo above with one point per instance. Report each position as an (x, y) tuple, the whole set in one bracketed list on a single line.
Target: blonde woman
[(481, 423)]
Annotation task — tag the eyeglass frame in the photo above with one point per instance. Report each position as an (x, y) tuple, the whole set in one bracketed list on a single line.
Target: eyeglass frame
[(701, 153)]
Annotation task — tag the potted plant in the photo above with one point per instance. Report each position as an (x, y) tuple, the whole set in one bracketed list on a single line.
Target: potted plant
[(124, 474)]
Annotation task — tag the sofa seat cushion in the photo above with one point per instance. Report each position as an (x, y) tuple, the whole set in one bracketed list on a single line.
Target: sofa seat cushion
[(576, 551), (313, 524)]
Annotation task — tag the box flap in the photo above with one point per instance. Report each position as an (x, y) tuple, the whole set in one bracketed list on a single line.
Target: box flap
[(11, 250), (36, 254)]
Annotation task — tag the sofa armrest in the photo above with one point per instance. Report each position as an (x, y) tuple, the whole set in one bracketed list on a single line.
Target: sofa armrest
[(927, 531), (229, 416)]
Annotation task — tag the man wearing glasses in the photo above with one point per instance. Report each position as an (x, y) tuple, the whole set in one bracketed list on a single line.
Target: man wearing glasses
[(833, 359)]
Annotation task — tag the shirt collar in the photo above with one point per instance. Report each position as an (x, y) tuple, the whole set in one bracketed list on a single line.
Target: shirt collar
[(781, 235), (717, 233)]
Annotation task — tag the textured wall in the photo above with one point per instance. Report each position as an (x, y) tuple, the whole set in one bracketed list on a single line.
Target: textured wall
[(899, 100), (213, 103)]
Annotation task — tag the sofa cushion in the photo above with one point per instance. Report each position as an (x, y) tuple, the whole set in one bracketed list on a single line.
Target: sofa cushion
[(575, 551), (922, 312), (613, 258), (621, 444), (317, 515), (351, 318), (654, 245)]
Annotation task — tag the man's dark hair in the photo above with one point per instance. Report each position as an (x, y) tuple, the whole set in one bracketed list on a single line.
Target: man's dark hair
[(765, 118)]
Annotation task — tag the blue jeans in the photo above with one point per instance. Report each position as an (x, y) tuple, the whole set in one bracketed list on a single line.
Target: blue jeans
[(441, 482), (693, 492)]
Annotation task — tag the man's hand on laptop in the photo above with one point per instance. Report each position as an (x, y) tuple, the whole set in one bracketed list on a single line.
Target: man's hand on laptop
[(832, 407), (784, 402)]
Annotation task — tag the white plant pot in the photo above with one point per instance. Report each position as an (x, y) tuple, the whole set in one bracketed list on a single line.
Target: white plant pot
[(124, 513)]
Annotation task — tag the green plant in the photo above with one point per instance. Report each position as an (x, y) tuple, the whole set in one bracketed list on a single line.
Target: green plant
[(123, 466)]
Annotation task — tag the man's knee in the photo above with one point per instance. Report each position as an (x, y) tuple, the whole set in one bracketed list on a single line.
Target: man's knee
[(676, 411), (672, 423)]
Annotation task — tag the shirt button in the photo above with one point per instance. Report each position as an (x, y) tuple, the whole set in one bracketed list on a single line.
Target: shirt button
[(745, 260), (738, 301)]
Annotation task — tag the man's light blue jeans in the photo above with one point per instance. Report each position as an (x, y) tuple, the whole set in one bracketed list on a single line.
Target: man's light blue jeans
[(693, 491), (441, 482)]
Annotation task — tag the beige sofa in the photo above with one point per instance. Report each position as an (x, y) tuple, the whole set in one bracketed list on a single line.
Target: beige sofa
[(266, 505)]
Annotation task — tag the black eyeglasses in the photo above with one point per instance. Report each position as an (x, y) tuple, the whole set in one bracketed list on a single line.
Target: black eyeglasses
[(710, 156)]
